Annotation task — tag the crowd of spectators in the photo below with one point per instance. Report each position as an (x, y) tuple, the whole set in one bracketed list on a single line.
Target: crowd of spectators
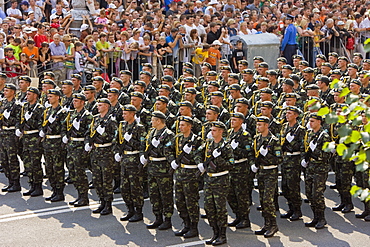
[(39, 35)]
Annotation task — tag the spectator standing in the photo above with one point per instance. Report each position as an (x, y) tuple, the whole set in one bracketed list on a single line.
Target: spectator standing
[(58, 55)]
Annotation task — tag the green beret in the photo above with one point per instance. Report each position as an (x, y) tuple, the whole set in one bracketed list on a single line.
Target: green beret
[(189, 71), (333, 54), (261, 78), (67, 82), (140, 83), (149, 65), (356, 81), (363, 72), (296, 56), (267, 104), (217, 93), (167, 78), (89, 88), (125, 72), (168, 67), (186, 119), (34, 90), (25, 78), (219, 124), (263, 65), (211, 73), (208, 65), (243, 62), (49, 73), (291, 96), (146, 73), (164, 86), (312, 87), (237, 115), (129, 108), (10, 86), (113, 90), (263, 119), (79, 96), (189, 79), (234, 76), (97, 70), (98, 78), (323, 78), (337, 90), (224, 61), (242, 101), (235, 87), (357, 54), (293, 108), (343, 58), (247, 71), (103, 100), (186, 103), (116, 79), (214, 83), (336, 72), (214, 108), (225, 68), (315, 116), (190, 90), (304, 63), (158, 114), (289, 82), (326, 64), (137, 94), (3, 75), (294, 77), (76, 76), (322, 56), (259, 58), (352, 65), (163, 99), (189, 65), (266, 90), (48, 81), (366, 61), (55, 92), (308, 70), (286, 66), (282, 59), (271, 72)]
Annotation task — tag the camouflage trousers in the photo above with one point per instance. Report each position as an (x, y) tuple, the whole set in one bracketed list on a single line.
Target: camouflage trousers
[(161, 194), (291, 179), (343, 177), (132, 183), (102, 172), (8, 152), (76, 161), (32, 153), (315, 186), (239, 194), (267, 182), (215, 198), (362, 178), (54, 167), (187, 198)]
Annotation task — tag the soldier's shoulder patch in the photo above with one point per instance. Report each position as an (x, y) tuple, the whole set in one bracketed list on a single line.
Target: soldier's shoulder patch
[(278, 153), (248, 147), (232, 160), (168, 144), (245, 133)]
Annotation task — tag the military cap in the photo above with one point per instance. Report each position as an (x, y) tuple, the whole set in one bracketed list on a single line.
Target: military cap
[(271, 72), (145, 73), (89, 88), (208, 65), (366, 61), (97, 70), (67, 82), (10, 86), (116, 79), (363, 72), (304, 63), (163, 99), (237, 115), (235, 87), (217, 93), (189, 65), (267, 104), (263, 65), (287, 66), (357, 54), (266, 90), (189, 71), (294, 77), (259, 58), (281, 59), (190, 90), (234, 76), (3, 75), (326, 64), (225, 68), (336, 72), (113, 90), (186, 119), (333, 54), (55, 92), (263, 119), (79, 96), (294, 109), (289, 82), (365, 97), (341, 105), (315, 116), (337, 90), (261, 78), (295, 56), (308, 70), (48, 81), (343, 58), (356, 81), (214, 83), (158, 114), (291, 96), (76, 76), (103, 100), (186, 103), (129, 108), (125, 72), (167, 78), (140, 83), (214, 108), (224, 61), (49, 73), (164, 86), (242, 101), (98, 78), (219, 124), (25, 78), (34, 90), (323, 78), (211, 73), (352, 65), (137, 94), (322, 56), (312, 87), (189, 79), (243, 62), (149, 65), (168, 67)]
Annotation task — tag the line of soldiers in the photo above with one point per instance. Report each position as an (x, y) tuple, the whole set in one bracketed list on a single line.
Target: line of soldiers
[(222, 130)]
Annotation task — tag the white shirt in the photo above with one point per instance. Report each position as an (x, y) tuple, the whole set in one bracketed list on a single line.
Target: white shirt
[(14, 12), (189, 28)]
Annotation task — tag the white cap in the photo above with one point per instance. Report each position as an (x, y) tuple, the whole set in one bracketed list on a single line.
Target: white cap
[(112, 6), (216, 42), (315, 10), (33, 29), (27, 30), (213, 2), (340, 23), (84, 27), (52, 17)]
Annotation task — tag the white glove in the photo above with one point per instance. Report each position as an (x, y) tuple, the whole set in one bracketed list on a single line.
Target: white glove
[(76, 124), (234, 144), (313, 146), (127, 136), (100, 130), (304, 163), (187, 149), (88, 148), (18, 133), (155, 142), (6, 114), (41, 134), (263, 151), (143, 160), (216, 153), (117, 157), (174, 165), (254, 168), (201, 167), (51, 119), (65, 139)]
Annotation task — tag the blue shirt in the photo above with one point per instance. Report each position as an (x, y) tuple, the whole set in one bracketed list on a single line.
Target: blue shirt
[(289, 36), (170, 39)]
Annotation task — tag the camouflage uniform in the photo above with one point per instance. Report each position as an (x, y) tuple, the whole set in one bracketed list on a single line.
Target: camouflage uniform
[(92, 107)]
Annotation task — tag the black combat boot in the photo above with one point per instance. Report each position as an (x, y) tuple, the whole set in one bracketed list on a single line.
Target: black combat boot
[(166, 224), (193, 232), (264, 228), (59, 196), (74, 201), (100, 208), (38, 190), (107, 209), (216, 233), (32, 188), (158, 221), (297, 213), (5, 188), (221, 238), (314, 220), (340, 206), (83, 201), (185, 229), (365, 213), (348, 205), (244, 222), (272, 229), (130, 213), (117, 186), (138, 216), (367, 218), (234, 222), (52, 195), (15, 187), (321, 222), (289, 213)]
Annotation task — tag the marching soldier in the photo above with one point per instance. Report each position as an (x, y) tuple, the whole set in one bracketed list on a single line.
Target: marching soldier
[(91, 104), (117, 83), (142, 114), (161, 105), (76, 80), (98, 83), (67, 98), (24, 82)]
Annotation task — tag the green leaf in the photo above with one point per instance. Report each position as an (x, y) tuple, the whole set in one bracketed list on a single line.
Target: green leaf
[(342, 119), (344, 130), (367, 127), (323, 111), (344, 92), (362, 167), (341, 148), (355, 136), (364, 194), (367, 198), (354, 188), (331, 118), (334, 84), (365, 137), (352, 98)]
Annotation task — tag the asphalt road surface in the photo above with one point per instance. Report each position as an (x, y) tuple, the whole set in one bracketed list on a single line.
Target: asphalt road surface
[(27, 221)]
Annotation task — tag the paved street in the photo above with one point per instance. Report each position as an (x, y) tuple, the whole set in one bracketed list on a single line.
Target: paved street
[(27, 221)]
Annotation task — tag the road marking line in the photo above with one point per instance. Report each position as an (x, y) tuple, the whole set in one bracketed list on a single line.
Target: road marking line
[(188, 244)]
